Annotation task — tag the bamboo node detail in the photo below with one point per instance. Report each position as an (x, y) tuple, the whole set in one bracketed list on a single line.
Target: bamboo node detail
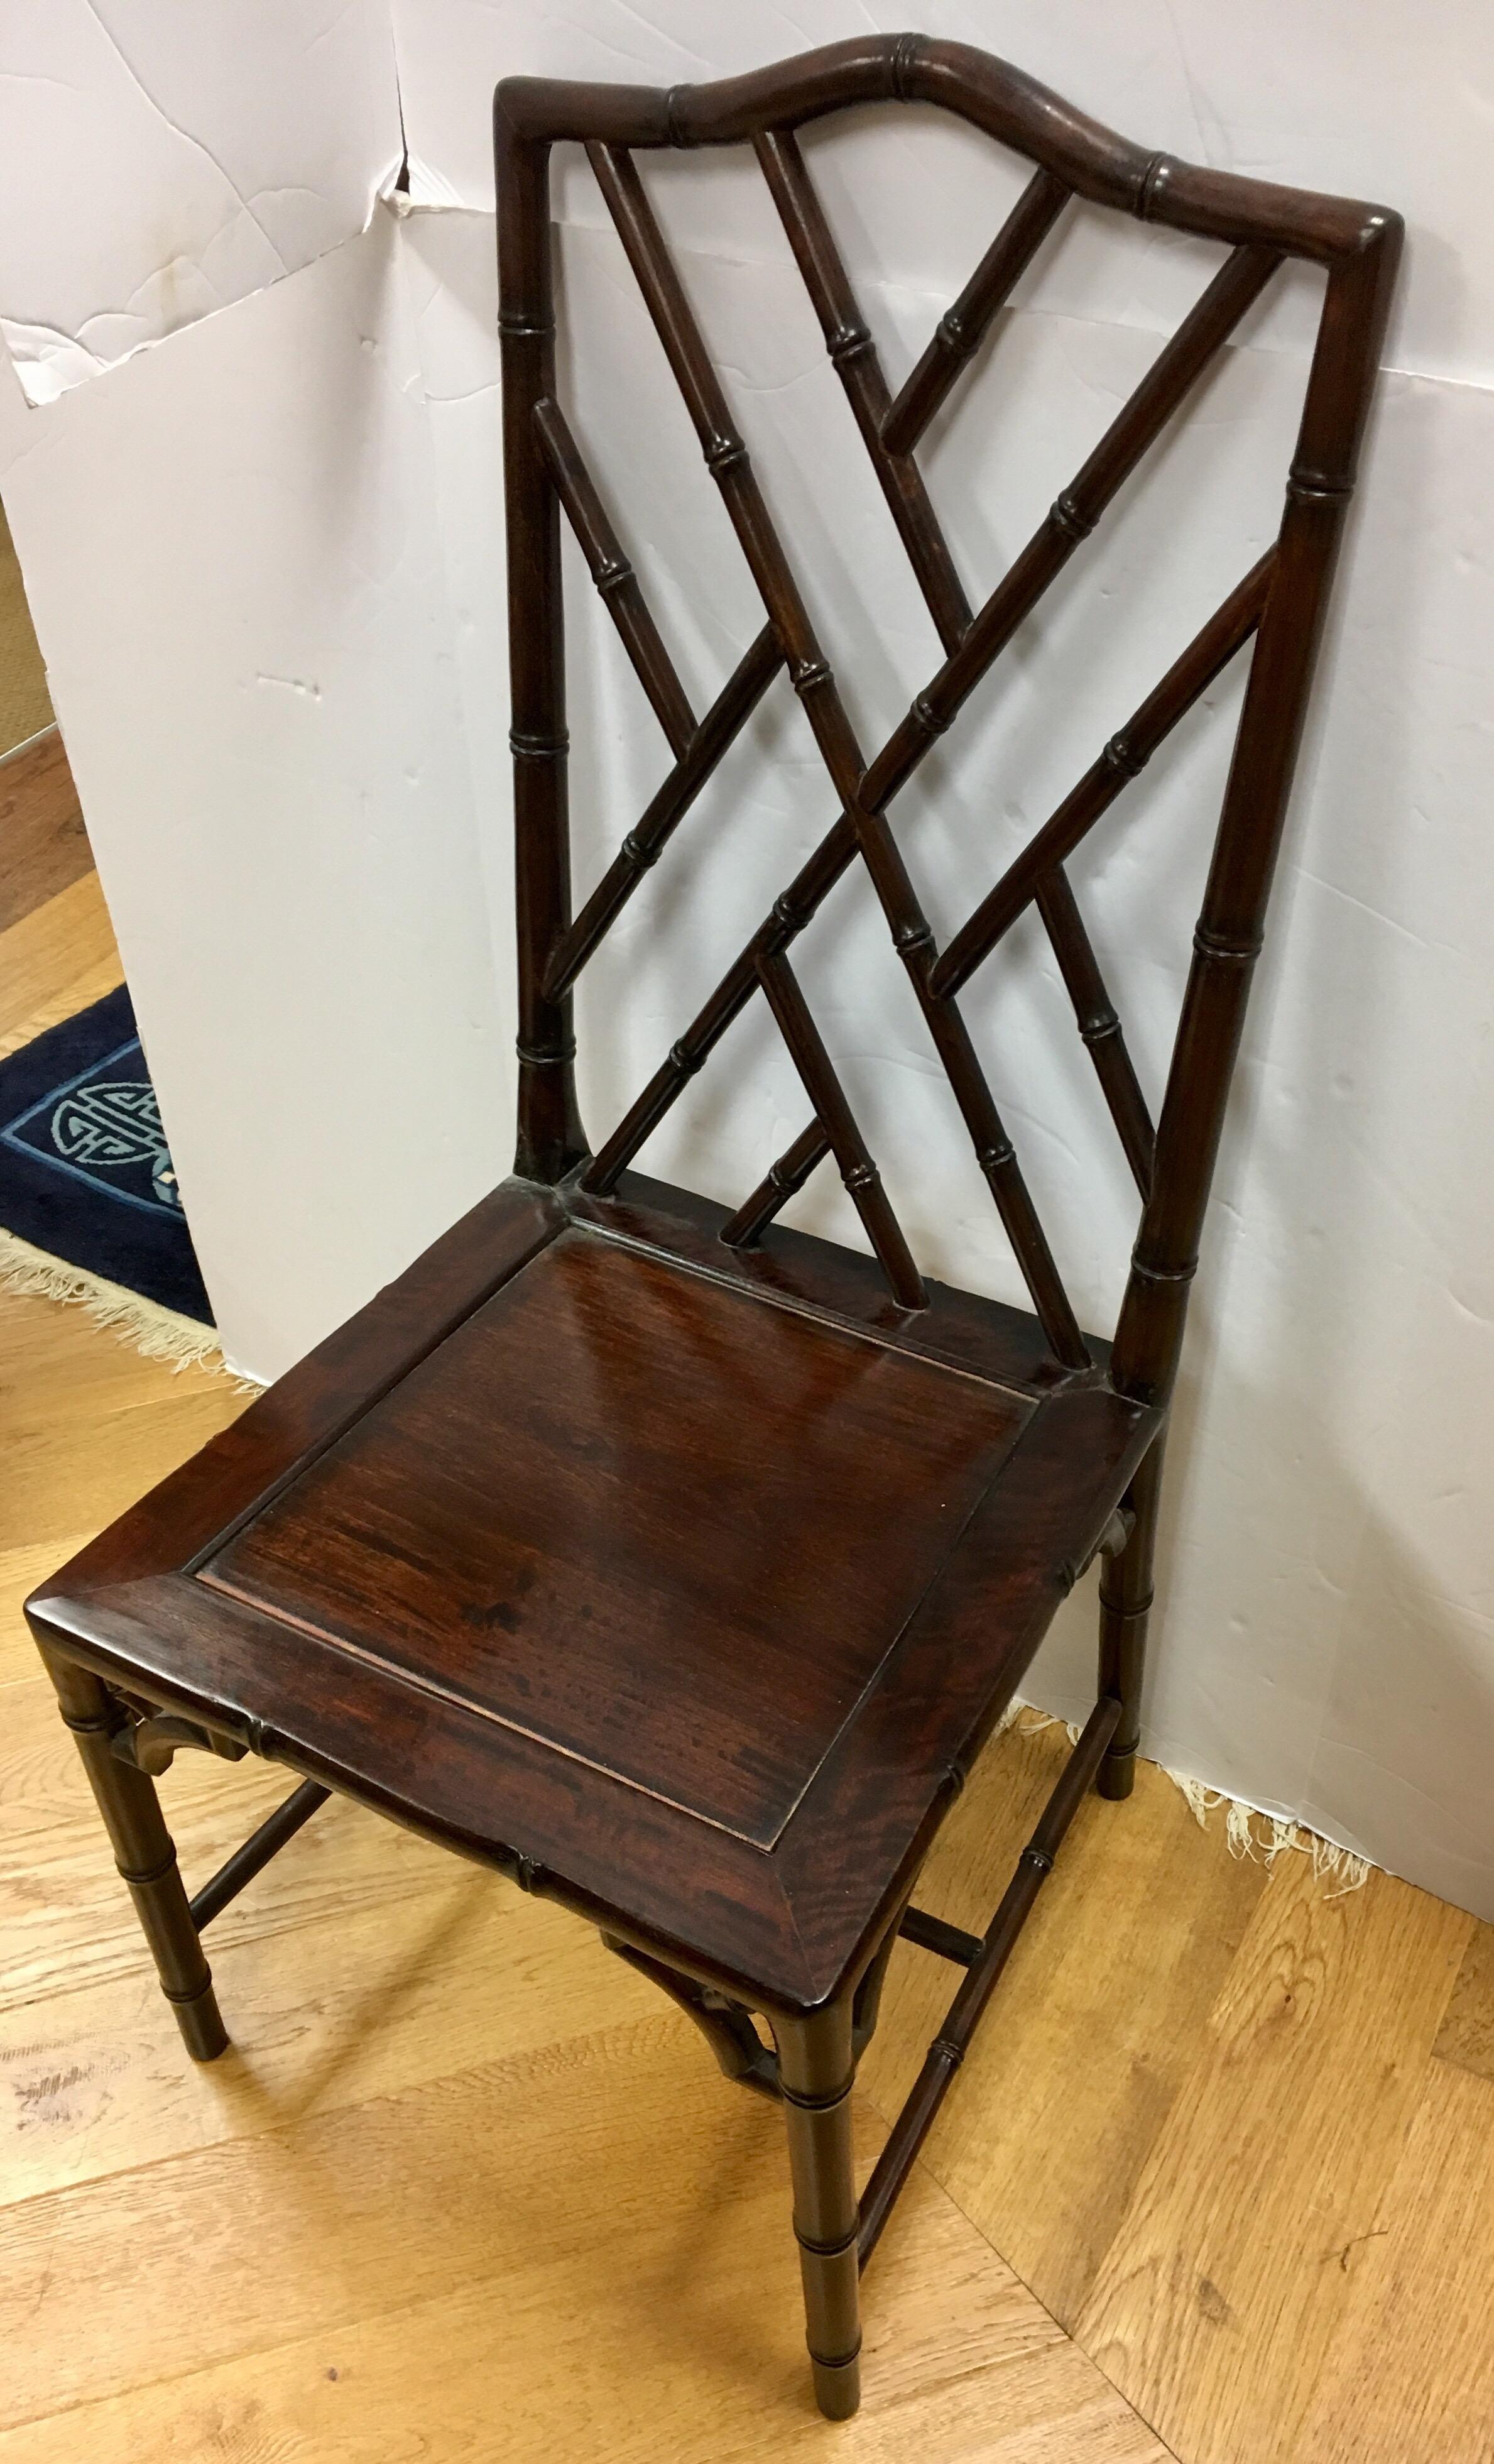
[(905, 55), (1068, 516)]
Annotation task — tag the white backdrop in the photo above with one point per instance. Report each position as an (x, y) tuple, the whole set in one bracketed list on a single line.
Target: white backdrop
[(265, 557)]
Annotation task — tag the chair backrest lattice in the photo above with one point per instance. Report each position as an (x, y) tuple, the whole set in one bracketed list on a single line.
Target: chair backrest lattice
[(1279, 604)]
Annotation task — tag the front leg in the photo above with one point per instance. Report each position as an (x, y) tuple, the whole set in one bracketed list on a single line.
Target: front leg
[(144, 1853), (816, 2072)]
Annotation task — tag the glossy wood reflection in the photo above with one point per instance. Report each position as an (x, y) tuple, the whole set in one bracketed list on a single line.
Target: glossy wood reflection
[(669, 1562)]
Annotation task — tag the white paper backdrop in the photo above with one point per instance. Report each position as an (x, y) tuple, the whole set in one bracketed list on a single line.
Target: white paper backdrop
[(305, 489), (162, 161)]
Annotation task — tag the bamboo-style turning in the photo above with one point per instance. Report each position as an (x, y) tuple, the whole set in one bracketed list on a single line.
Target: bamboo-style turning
[(854, 356), (834, 1118), (1123, 757), (644, 1550), (645, 842), (256, 1852), (983, 1974), (961, 330), (614, 578), (779, 1184), (1275, 612), (866, 789)]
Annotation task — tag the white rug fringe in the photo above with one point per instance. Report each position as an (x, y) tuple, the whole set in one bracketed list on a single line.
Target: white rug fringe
[(1247, 1832), (157, 1333)]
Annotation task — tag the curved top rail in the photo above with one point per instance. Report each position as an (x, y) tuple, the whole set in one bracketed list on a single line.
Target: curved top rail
[(989, 93)]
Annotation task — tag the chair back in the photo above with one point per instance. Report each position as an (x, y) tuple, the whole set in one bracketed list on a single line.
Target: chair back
[(1277, 608)]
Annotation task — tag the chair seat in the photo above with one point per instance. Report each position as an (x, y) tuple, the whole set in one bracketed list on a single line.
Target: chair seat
[(679, 1582)]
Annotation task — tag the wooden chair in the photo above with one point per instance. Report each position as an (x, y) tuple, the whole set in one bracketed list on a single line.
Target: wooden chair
[(673, 1564)]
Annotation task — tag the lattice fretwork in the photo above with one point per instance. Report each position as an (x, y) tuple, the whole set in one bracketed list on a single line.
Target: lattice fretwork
[(972, 641)]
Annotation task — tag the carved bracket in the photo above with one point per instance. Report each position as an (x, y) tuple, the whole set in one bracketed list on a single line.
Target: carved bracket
[(727, 2026), (151, 1740)]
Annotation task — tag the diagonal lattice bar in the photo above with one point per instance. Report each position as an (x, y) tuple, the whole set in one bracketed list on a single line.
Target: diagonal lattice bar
[(726, 457), (1127, 753), (961, 330), (833, 1113), (1098, 1025), (854, 356), (779, 1184), (615, 577), (1177, 367), (1173, 374), (729, 712)]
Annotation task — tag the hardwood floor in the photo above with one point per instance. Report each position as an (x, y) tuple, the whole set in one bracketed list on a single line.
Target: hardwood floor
[(467, 2189), (25, 704), (43, 845)]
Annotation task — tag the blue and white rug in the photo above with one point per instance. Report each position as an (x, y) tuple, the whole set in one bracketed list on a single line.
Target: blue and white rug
[(88, 1196)]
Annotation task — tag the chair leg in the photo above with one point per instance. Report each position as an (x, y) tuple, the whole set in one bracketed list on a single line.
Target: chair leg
[(1125, 1607), (144, 1853), (816, 2069)]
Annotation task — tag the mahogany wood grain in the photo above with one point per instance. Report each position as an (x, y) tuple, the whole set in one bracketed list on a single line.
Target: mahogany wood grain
[(348, 1659), (655, 1558), (671, 1562)]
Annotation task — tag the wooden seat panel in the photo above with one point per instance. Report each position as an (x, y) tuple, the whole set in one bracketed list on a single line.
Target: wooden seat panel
[(815, 1562), (660, 1525)]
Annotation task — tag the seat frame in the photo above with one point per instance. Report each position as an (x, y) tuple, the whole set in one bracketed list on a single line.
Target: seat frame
[(127, 1715)]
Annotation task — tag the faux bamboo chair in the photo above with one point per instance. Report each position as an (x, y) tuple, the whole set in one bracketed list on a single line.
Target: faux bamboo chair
[(673, 1564)]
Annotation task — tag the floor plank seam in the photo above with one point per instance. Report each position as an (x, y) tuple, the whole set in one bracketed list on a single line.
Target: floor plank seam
[(510, 2065), (924, 2167), (245, 2352)]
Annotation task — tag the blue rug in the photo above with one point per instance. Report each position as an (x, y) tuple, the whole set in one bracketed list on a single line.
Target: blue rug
[(85, 1174)]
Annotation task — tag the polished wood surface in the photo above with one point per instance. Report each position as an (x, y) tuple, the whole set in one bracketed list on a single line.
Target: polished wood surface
[(528, 1556), (531, 1585), (608, 1553), (479, 2065)]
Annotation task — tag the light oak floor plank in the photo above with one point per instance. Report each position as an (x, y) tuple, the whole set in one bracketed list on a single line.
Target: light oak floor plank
[(55, 961), (1217, 2301), (1411, 2374), (355, 2003), (1466, 2035), (43, 845), (65, 1921), (598, 2225), (21, 1570), (1097, 2020), (86, 1426), (443, 2382), (25, 704)]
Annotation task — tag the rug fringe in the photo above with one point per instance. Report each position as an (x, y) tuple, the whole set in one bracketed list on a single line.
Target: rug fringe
[(1275, 1836), (157, 1333)]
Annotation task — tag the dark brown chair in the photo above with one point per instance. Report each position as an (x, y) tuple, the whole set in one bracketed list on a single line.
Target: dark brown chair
[(671, 1562)]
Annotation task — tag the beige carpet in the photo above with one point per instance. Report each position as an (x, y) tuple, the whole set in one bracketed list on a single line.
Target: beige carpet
[(25, 707)]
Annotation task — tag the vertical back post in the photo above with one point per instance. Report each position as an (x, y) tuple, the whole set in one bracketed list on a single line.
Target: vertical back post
[(1231, 923), (551, 1139)]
